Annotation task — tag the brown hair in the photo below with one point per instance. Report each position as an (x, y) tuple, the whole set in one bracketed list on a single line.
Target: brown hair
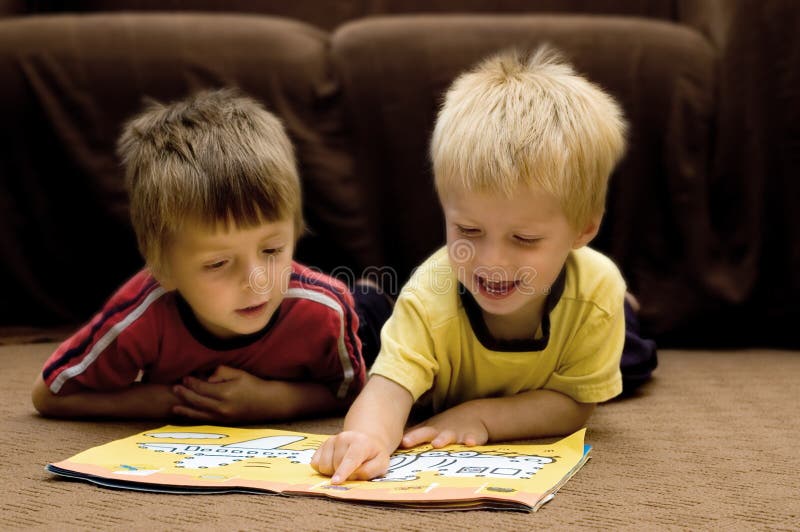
[(214, 158)]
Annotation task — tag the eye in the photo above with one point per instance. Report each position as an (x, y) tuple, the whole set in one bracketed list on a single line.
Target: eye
[(467, 231), (273, 251), (215, 265), (527, 240)]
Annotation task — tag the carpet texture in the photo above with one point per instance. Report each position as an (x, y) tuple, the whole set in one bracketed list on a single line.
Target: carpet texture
[(710, 443)]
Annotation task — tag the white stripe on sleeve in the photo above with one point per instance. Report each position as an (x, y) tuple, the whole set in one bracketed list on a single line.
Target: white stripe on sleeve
[(344, 357), (105, 341)]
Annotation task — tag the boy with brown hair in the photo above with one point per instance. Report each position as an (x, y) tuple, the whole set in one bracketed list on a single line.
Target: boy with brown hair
[(222, 325), (515, 329)]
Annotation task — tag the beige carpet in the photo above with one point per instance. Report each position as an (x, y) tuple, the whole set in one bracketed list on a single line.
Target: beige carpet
[(711, 443)]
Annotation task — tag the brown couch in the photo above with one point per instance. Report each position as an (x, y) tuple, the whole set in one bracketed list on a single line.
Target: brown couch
[(701, 218), (699, 213)]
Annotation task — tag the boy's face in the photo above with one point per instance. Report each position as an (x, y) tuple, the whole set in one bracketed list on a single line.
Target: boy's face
[(233, 279), (508, 252)]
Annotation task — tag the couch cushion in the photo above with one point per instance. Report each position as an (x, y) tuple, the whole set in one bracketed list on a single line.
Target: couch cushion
[(394, 72), (336, 12), (69, 82)]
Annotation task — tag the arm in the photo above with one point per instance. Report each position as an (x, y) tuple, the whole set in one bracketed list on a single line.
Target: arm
[(372, 431), (532, 414), (236, 396), (138, 401), (108, 353)]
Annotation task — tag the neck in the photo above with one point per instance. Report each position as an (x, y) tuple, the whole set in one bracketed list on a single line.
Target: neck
[(523, 324)]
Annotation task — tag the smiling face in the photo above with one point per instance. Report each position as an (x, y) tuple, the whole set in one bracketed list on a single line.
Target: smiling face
[(233, 279), (508, 252)]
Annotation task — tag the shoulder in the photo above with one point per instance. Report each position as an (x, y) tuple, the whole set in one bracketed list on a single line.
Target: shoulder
[(433, 289), (137, 288), (137, 297), (594, 278), (310, 286), (130, 317)]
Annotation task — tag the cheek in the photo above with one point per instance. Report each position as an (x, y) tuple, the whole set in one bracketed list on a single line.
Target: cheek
[(280, 274), (285, 277), (461, 251), (541, 272), (209, 290)]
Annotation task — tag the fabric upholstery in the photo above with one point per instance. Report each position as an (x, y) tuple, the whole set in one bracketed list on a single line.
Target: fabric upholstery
[(394, 71), (700, 217), (70, 82), (336, 12)]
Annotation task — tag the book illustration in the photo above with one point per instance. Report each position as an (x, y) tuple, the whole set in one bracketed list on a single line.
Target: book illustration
[(403, 466), (209, 459), (205, 456)]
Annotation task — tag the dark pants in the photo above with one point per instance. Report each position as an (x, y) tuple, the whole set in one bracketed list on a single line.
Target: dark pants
[(639, 357), (373, 308)]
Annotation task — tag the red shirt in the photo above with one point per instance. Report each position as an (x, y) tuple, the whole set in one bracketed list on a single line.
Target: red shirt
[(146, 333)]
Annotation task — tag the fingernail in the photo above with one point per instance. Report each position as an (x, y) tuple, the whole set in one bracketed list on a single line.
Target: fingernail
[(336, 479)]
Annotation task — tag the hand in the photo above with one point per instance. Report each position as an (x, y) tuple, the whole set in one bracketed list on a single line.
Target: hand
[(229, 395), (460, 424), (351, 455)]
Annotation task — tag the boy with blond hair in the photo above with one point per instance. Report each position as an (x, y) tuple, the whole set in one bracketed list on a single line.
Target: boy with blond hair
[(515, 329), (222, 325)]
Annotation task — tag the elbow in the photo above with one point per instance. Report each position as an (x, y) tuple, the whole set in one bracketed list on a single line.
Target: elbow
[(44, 401), (582, 415), (41, 403)]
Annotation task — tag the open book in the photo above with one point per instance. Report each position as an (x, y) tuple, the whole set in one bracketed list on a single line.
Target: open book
[(209, 459)]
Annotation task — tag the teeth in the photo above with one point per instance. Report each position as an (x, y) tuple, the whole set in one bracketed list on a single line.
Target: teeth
[(497, 287)]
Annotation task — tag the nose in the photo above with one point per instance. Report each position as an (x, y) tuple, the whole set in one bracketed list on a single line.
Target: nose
[(493, 262), (491, 254), (255, 277)]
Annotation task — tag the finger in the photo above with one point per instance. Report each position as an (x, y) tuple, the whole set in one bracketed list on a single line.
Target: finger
[(339, 450), (469, 440), (201, 387), (446, 437), (372, 468), (223, 373), (418, 435), (352, 460), (322, 460), (315, 459), (194, 399)]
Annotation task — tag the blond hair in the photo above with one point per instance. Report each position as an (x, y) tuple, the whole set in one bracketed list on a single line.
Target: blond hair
[(214, 158), (515, 120)]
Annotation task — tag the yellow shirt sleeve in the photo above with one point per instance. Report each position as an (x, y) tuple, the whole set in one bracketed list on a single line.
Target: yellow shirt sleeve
[(407, 348), (588, 368)]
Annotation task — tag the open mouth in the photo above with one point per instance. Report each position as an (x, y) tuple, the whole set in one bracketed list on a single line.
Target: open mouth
[(496, 289)]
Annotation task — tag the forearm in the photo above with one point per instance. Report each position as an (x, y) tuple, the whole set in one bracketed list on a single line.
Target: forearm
[(532, 414), (282, 400), (139, 401), (381, 410)]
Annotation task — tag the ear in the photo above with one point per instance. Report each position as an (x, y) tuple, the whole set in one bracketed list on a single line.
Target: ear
[(588, 232)]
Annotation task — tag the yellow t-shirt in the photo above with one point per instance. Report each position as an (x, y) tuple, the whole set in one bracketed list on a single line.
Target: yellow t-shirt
[(430, 345)]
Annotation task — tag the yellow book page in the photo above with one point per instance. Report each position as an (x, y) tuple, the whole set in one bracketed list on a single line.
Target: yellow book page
[(211, 457)]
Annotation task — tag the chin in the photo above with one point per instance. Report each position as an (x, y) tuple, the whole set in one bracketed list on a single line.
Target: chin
[(498, 310), (251, 329), (503, 307)]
